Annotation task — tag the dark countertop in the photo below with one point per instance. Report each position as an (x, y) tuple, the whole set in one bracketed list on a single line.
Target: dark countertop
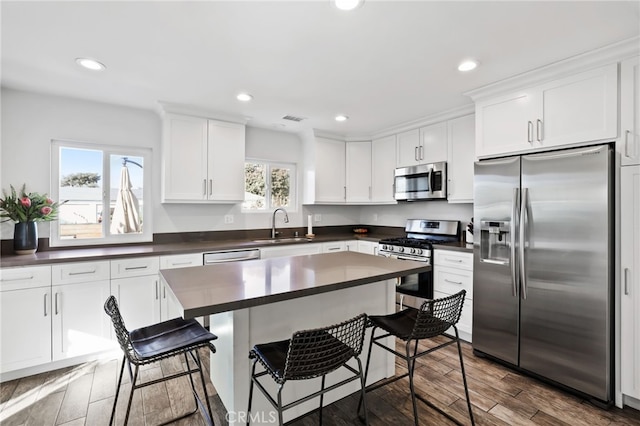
[(460, 246), (205, 290), (140, 250)]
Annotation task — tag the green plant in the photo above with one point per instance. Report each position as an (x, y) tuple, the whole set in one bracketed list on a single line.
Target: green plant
[(27, 207)]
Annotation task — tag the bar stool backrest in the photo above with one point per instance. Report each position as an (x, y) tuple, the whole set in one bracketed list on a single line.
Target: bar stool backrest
[(122, 334), (314, 353), (436, 316)]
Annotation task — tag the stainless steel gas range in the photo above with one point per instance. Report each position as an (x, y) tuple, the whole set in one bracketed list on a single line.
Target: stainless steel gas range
[(418, 245)]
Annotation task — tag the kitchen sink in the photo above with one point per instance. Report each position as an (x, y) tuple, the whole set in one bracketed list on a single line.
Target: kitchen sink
[(282, 240)]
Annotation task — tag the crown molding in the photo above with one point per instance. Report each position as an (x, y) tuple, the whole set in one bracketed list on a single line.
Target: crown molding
[(583, 62), (173, 108)]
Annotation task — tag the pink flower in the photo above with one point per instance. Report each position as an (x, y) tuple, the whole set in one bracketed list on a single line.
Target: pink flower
[(25, 201), (49, 201), (46, 210)]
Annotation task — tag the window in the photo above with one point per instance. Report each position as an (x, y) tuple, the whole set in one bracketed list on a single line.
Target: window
[(268, 185), (104, 190)]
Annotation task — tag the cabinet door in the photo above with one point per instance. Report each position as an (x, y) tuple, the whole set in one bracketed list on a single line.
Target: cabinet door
[(138, 299), (630, 280), (181, 260), (330, 171), (80, 325), (184, 158), (433, 143), (408, 148), (169, 305), (25, 325), (580, 108), (225, 172), (367, 247), (506, 124), (461, 134), (630, 112), (383, 165), (358, 172), (334, 246)]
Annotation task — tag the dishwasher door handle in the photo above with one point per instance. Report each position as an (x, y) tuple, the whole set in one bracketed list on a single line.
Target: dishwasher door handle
[(213, 258)]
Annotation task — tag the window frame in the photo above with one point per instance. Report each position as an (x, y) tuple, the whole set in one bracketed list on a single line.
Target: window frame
[(107, 150), (293, 185)]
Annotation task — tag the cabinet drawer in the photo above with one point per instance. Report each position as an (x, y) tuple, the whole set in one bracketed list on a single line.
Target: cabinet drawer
[(137, 267), (331, 247), (465, 324), (69, 273), (21, 278), (181, 261), (452, 280), (455, 259)]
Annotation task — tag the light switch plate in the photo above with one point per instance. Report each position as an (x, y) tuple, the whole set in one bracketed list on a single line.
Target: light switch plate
[(317, 217), (228, 218)]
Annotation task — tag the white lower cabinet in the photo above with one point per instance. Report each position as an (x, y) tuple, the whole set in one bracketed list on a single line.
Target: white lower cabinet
[(136, 286), (334, 246), (80, 325), (452, 272), (630, 281), (25, 317), (367, 247), (169, 306)]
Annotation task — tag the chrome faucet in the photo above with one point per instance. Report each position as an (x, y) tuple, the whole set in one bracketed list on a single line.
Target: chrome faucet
[(273, 221)]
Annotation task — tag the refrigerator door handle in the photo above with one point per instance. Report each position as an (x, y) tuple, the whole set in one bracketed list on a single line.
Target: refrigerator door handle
[(523, 225), (512, 252)]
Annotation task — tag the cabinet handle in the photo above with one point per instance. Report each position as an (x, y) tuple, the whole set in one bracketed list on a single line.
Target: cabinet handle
[(333, 248), (370, 193), (539, 130), (529, 132), (626, 143), (448, 259), (133, 268), (415, 153), (156, 289), (626, 281), (204, 187), (164, 292), (345, 192), (45, 305), (93, 271), (210, 186), (180, 263), (30, 277), (453, 282), (56, 304), (421, 150)]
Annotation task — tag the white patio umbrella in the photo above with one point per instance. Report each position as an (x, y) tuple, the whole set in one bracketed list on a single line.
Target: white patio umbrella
[(126, 214)]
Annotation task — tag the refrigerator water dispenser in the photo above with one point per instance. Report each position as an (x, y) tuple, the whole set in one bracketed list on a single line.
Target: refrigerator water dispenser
[(495, 241)]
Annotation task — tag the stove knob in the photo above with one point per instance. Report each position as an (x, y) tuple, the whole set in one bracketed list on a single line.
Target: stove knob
[(384, 247), (401, 249), (419, 251), (413, 251)]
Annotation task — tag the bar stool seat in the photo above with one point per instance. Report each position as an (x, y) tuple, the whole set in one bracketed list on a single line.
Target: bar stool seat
[(309, 354), (146, 345), (411, 325)]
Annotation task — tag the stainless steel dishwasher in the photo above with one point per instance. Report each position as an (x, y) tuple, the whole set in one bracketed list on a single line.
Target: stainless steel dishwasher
[(224, 256)]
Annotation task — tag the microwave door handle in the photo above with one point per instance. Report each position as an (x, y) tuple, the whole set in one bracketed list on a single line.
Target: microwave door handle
[(431, 178)]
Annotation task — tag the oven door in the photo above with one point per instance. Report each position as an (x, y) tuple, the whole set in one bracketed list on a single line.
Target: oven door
[(413, 289)]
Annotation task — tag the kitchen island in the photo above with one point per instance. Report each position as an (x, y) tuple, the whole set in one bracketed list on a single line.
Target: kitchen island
[(267, 300)]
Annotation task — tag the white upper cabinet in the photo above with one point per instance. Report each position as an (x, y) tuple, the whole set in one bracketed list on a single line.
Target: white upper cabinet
[(422, 146), (325, 171), (461, 146), (433, 143), (629, 146), (408, 148), (383, 165), (202, 160), (358, 172), (576, 109)]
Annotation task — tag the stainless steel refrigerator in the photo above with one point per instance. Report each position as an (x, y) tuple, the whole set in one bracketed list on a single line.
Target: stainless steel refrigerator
[(543, 265)]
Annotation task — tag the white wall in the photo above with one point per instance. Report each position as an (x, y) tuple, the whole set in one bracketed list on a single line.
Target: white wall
[(30, 121)]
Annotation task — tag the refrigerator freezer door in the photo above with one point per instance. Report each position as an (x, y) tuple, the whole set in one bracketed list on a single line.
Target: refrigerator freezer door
[(495, 304), (565, 320)]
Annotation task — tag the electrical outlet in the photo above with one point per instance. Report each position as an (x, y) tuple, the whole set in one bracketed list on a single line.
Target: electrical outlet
[(228, 218), (317, 217)]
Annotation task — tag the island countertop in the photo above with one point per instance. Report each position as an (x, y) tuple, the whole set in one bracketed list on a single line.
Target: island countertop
[(206, 290)]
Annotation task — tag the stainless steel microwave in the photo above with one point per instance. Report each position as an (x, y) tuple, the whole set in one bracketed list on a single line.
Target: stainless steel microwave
[(423, 182)]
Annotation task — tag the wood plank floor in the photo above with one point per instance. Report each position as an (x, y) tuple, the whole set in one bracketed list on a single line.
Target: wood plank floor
[(84, 394)]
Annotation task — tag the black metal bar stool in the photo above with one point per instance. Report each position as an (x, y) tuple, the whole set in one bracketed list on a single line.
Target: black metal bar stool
[(412, 325), (309, 354), (150, 344)]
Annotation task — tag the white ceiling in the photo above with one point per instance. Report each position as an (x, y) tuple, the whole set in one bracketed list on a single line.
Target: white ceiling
[(384, 64)]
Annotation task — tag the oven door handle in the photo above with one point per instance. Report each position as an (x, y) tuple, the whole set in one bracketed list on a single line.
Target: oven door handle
[(408, 258)]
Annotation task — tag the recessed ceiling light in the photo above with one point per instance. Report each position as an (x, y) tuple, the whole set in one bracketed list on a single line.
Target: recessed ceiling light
[(244, 97), (341, 117), (468, 65), (347, 4), (90, 64)]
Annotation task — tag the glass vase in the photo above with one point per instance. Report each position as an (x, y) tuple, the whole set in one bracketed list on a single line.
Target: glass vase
[(25, 238)]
